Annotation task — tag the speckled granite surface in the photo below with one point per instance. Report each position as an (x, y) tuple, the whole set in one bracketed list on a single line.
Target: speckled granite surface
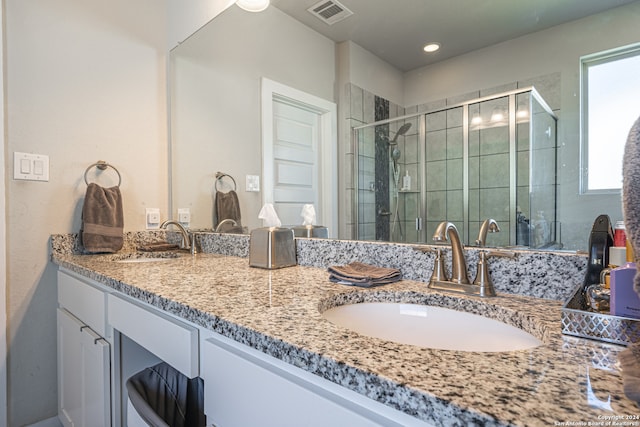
[(279, 313)]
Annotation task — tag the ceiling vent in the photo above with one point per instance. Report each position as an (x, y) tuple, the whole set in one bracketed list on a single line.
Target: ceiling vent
[(329, 11)]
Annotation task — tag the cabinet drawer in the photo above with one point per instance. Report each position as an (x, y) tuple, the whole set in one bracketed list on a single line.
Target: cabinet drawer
[(84, 300), (171, 340)]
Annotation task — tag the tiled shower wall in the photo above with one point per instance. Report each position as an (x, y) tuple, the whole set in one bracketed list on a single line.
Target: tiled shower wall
[(488, 171)]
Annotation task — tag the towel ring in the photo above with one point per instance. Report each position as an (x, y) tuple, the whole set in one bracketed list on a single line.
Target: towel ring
[(102, 165), (220, 175)]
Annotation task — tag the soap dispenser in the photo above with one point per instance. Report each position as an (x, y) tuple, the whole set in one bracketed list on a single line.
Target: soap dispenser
[(600, 240)]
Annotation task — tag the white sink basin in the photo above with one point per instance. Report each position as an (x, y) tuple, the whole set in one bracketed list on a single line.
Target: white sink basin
[(431, 327)]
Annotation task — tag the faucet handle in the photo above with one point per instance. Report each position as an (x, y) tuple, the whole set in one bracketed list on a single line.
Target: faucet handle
[(483, 279), (439, 273)]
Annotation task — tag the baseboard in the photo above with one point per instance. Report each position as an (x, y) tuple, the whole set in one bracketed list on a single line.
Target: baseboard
[(49, 422)]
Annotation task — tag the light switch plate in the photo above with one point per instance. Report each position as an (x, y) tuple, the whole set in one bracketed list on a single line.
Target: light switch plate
[(30, 167), (253, 183)]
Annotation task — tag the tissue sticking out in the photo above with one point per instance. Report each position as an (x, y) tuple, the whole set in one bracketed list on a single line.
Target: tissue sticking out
[(308, 228), (269, 216)]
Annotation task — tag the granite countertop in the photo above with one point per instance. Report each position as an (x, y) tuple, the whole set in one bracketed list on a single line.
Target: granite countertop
[(567, 380)]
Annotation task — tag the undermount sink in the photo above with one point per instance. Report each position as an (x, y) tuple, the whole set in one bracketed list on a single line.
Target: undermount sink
[(431, 327)]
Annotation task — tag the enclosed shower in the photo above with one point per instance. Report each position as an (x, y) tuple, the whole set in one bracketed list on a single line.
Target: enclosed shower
[(491, 157)]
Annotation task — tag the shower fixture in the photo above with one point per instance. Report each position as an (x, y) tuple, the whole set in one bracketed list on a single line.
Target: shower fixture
[(395, 156)]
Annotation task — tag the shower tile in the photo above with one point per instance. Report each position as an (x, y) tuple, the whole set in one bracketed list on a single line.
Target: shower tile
[(410, 206), (494, 171), (463, 98), (548, 86), (454, 174), (522, 136), (436, 145), (369, 107), (474, 142), (436, 121), (436, 205), (395, 110), (494, 140), (411, 149), (411, 110), (454, 117), (499, 89), (494, 203), (455, 206), (433, 105), (474, 172), (543, 165), (357, 102), (474, 205), (436, 176), (454, 143), (522, 201), (349, 181), (522, 175)]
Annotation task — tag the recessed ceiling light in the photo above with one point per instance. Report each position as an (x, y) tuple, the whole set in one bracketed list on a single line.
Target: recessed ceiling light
[(253, 5), (431, 47)]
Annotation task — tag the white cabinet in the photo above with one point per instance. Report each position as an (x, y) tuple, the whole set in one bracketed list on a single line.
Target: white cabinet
[(84, 362), (244, 387)]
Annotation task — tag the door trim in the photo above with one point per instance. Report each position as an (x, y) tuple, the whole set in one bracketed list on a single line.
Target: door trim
[(328, 147)]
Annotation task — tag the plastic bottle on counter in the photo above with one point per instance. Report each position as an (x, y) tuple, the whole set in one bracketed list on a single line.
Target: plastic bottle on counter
[(624, 300), (619, 235)]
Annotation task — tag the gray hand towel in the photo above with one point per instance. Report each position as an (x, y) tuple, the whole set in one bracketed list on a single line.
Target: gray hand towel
[(630, 358), (102, 219), (365, 275), (227, 206)]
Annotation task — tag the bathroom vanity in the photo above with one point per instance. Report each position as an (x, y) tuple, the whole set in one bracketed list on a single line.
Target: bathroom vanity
[(268, 357)]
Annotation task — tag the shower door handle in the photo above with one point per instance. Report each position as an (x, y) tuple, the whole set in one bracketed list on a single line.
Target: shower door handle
[(418, 224)]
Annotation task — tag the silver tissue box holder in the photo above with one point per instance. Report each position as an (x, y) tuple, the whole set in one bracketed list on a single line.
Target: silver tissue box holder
[(317, 231), (272, 247)]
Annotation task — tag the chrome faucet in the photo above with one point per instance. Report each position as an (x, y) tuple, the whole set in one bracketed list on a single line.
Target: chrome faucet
[(446, 230), (225, 221), (187, 242), (488, 225)]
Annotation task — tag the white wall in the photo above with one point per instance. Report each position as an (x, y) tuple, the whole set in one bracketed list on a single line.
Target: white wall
[(216, 113), (556, 50), (186, 17), (85, 81), (3, 245)]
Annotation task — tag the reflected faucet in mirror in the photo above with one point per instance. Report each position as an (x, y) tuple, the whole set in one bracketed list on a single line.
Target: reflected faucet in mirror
[(488, 225), (188, 242), (221, 224)]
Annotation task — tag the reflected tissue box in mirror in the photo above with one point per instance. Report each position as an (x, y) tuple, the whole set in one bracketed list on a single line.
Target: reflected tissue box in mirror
[(272, 247)]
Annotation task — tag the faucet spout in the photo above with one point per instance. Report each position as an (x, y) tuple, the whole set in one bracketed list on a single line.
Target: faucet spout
[(488, 225), (448, 231), (223, 222), (186, 239)]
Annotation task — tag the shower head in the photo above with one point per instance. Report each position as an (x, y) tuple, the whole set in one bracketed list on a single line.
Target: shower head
[(403, 129)]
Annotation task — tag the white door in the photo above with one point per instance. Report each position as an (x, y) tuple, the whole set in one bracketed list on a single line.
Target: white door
[(299, 145), (295, 161)]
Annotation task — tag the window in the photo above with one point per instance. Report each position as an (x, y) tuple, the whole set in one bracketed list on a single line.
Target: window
[(610, 106)]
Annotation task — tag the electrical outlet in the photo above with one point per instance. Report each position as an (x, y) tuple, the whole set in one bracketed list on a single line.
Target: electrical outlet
[(184, 216), (152, 216)]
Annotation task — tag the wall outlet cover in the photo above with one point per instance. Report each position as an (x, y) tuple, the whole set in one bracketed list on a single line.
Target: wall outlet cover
[(152, 216)]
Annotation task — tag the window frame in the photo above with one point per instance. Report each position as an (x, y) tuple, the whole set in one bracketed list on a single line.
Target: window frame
[(586, 62)]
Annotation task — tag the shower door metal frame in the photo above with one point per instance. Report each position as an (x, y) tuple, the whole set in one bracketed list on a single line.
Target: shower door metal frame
[(513, 156)]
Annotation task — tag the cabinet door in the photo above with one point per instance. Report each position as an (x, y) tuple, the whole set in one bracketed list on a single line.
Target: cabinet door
[(69, 374), (244, 387), (83, 374)]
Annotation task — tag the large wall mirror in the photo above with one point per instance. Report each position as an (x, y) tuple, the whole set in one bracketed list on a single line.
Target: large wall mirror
[(216, 75)]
